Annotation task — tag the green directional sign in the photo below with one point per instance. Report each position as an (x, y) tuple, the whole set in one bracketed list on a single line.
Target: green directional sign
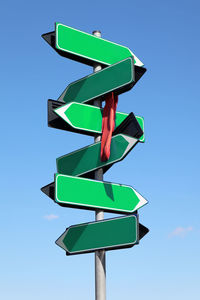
[(82, 116), (109, 234), (87, 159), (74, 185), (119, 78), (89, 47), (91, 194)]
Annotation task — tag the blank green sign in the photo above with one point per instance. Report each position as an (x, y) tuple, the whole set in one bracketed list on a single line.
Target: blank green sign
[(82, 116), (113, 78), (108, 234), (92, 194), (90, 47), (88, 158)]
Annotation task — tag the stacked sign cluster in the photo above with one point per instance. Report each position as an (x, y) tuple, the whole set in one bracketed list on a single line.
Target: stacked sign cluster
[(74, 184)]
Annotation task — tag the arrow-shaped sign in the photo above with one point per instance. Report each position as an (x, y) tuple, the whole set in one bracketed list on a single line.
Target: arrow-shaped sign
[(87, 48), (111, 197), (87, 159), (80, 118), (91, 194), (108, 234), (119, 78)]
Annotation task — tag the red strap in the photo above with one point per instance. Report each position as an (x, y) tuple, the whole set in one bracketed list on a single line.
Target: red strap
[(108, 125)]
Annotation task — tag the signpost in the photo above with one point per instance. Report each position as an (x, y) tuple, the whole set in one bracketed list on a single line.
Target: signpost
[(92, 194), (116, 70), (108, 234)]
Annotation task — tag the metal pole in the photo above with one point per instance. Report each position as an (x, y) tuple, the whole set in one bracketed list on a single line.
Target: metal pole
[(100, 256)]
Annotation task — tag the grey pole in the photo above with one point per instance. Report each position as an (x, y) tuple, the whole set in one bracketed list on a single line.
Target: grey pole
[(100, 256)]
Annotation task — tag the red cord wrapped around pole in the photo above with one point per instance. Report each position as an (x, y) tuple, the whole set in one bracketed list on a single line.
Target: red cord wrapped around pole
[(108, 125)]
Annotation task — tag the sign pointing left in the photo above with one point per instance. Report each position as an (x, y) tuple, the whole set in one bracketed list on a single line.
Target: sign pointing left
[(117, 78), (78, 117), (109, 234), (87, 159)]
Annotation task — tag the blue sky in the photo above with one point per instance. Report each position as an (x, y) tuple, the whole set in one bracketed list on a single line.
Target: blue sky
[(165, 170)]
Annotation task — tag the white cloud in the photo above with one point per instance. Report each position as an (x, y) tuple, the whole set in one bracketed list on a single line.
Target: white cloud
[(181, 231), (51, 217)]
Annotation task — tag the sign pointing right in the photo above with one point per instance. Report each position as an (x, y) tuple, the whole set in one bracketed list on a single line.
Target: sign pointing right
[(91, 194), (84, 193), (87, 48)]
